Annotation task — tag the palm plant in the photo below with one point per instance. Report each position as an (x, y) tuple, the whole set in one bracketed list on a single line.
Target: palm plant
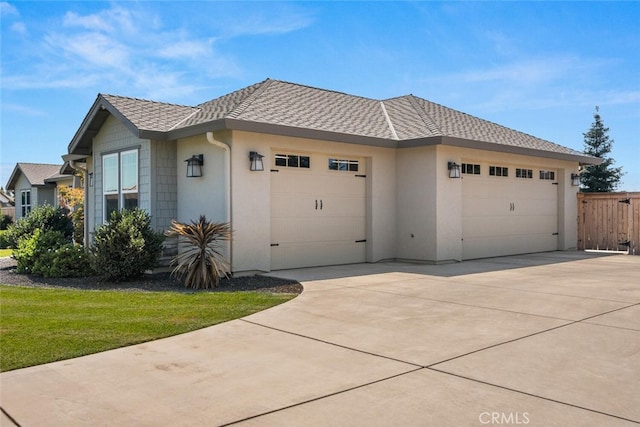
[(202, 263)]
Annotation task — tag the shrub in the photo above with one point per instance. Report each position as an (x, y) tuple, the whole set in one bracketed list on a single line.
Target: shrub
[(4, 241), (202, 264), (5, 222), (33, 247), (45, 218), (126, 246)]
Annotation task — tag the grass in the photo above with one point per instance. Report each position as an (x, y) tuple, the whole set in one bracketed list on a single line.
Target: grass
[(5, 252), (45, 325)]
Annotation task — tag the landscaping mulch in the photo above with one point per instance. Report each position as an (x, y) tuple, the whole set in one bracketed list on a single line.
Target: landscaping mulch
[(157, 282)]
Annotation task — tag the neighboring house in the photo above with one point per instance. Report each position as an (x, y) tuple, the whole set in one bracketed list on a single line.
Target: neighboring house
[(7, 203), (346, 179), (35, 184)]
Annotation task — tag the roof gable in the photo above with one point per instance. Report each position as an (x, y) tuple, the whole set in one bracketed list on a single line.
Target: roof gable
[(35, 173)]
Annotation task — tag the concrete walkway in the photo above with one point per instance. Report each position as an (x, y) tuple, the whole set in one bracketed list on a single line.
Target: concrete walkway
[(548, 339)]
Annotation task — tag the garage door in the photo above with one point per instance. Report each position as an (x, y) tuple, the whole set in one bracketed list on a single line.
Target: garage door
[(318, 211), (505, 215)]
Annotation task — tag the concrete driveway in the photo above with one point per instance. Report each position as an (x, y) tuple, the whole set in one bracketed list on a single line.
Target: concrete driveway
[(549, 339)]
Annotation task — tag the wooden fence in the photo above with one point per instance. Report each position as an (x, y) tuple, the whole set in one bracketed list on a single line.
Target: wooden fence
[(609, 221)]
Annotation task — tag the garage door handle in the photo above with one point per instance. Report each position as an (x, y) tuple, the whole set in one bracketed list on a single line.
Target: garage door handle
[(316, 204), (361, 241), (320, 204)]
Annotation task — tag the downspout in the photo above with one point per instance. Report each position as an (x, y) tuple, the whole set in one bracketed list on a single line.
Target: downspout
[(227, 169)]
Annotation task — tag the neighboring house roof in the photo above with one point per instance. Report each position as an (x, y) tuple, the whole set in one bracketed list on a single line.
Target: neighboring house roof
[(6, 200), (38, 174), (283, 108)]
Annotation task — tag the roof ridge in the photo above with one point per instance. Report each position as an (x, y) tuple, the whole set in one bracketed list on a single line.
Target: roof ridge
[(325, 90), (389, 122), (426, 118), (40, 164), (242, 106), (104, 95)]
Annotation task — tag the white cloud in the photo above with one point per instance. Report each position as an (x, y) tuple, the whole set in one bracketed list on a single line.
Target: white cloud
[(187, 49), (19, 27), (7, 9), (24, 110)]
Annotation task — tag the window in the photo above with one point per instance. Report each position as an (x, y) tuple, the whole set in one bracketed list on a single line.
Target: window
[(343, 165), (470, 169), (292, 161), (549, 175), (498, 171), (120, 181), (524, 173), (25, 202)]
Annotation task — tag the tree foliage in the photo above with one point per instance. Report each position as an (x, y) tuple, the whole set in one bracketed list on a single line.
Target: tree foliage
[(603, 177)]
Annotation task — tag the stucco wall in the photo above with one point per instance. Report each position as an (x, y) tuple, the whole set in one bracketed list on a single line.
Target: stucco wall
[(251, 193)]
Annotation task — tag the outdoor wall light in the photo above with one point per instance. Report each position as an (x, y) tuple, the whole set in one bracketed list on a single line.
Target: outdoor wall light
[(454, 170), (91, 179), (256, 161), (575, 179), (194, 166)]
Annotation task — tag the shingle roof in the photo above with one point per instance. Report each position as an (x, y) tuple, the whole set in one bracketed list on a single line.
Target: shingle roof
[(150, 115), (36, 173), (278, 103)]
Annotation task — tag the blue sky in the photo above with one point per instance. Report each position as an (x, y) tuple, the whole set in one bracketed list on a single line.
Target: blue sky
[(538, 67)]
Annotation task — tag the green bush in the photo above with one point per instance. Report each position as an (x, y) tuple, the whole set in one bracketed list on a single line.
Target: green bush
[(49, 254), (126, 246), (5, 222), (4, 241), (45, 218)]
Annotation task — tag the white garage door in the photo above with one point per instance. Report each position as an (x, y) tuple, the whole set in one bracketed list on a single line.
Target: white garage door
[(505, 215), (318, 211)]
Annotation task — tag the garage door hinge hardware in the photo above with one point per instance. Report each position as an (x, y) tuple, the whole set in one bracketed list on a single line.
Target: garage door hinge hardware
[(627, 243), (555, 234), (361, 241), (554, 183), (275, 244), (361, 176), (275, 170), (627, 201)]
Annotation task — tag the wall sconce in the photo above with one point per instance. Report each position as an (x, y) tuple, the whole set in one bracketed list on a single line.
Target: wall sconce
[(194, 166), (91, 179), (575, 179), (454, 170), (256, 161)]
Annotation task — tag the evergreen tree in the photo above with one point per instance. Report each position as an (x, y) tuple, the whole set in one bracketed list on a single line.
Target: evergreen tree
[(604, 177)]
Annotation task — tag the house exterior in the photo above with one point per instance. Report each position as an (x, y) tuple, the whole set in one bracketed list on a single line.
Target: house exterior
[(7, 203), (346, 179), (35, 184)]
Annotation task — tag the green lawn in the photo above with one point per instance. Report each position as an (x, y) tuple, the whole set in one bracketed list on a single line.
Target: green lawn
[(44, 325)]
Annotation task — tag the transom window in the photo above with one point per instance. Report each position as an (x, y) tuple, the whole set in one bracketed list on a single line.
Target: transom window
[(498, 171), (524, 173), (343, 165), (25, 202), (548, 175), (120, 181), (471, 169), (293, 161)]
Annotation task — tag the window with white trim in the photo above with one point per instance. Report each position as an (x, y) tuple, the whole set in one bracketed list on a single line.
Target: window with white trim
[(470, 169), (548, 175), (498, 171), (292, 161), (25, 202), (524, 173), (120, 181), (343, 165)]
